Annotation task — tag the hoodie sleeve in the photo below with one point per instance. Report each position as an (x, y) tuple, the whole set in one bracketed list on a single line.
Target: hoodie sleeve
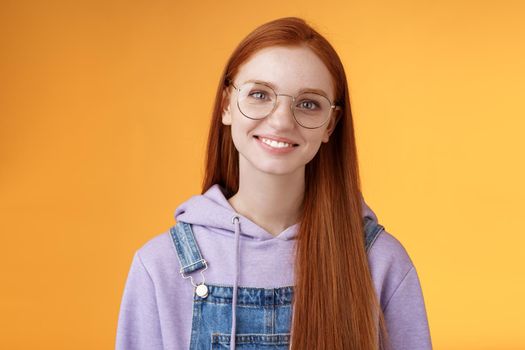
[(406, 316), (138, 323)]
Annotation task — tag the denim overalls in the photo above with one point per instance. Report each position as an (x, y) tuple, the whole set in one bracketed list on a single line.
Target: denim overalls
[(263, 316)]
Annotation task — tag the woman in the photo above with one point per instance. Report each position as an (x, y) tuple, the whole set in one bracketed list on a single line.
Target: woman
[(280, 250)]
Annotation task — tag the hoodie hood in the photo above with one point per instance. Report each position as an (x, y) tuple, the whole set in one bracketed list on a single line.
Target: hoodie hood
[(212, 210)]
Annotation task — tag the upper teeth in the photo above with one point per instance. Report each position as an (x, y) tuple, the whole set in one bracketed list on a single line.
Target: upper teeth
[(276, 144)]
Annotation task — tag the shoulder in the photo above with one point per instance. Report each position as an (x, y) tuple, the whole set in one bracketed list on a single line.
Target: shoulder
[(158, 256), (388, 249), (400, 295), (389, 264)]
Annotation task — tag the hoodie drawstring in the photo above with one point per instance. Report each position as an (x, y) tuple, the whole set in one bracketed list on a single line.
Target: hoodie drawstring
[(236, 280)]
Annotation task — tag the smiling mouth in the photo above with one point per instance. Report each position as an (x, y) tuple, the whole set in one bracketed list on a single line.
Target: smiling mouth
[(276, 143)]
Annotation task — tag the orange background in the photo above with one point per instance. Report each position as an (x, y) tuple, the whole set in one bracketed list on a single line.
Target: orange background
[(104, 113)]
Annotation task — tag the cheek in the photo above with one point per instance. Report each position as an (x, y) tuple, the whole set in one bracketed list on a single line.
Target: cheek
[(314, 138), (313, 151), (240, 129), (314, 142), (235, 135), (242, 125)]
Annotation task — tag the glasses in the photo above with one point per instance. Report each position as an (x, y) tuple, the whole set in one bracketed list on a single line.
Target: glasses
[(257, 100)]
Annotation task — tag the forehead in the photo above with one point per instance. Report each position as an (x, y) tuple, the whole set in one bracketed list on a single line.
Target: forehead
[(289, 69)]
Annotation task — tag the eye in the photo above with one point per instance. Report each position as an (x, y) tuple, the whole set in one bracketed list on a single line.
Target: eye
[(258, 95), (308, 104)]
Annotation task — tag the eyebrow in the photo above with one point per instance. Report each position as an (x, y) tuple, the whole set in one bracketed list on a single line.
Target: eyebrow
[(317, 91)]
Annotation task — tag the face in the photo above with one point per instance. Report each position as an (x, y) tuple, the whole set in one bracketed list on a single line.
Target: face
[(288, 70)]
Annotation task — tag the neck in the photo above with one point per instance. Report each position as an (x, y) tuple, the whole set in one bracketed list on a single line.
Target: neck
[(271, 201)]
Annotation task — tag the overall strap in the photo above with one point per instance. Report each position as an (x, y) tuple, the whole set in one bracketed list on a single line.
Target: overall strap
[(371, 231), (188, 252), (191, 259)]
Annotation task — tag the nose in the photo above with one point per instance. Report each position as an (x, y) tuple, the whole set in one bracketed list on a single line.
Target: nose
[(282, 116)]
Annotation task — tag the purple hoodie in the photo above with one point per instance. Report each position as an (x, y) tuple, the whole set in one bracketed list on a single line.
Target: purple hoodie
[(156, 308)]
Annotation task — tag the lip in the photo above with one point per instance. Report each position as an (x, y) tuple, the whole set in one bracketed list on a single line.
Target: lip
[(272, 150), (276, 138)]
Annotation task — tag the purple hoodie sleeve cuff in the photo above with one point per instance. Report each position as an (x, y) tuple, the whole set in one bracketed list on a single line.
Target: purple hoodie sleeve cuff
[(138, 323)]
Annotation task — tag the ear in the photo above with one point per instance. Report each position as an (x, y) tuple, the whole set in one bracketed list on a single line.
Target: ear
[(331, 124), (226, 112)]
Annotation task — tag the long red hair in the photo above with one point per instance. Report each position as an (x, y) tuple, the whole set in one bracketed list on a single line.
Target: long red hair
[(335, 306)]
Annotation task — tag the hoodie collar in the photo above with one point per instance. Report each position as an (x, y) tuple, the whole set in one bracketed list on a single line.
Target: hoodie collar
[(212, 209)]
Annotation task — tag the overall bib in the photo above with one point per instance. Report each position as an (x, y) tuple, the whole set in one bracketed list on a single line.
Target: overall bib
[(263, 316)]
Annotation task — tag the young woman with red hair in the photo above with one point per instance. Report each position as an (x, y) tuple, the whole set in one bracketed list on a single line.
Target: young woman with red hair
[(279, 251)]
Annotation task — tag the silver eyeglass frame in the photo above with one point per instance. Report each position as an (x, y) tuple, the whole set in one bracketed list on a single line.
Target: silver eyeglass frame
[(332, 105)]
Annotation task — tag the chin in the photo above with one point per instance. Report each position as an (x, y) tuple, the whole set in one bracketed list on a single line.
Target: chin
[(279, 170), (278, 173), (279, 167)]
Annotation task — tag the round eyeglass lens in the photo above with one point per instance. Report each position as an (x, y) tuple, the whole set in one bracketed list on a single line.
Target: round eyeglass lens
[(256, 101), (311, 110)]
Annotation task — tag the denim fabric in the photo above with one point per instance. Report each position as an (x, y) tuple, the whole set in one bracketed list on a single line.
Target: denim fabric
[(371, 230), (190, 257), (263, 314), (263, 318)]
